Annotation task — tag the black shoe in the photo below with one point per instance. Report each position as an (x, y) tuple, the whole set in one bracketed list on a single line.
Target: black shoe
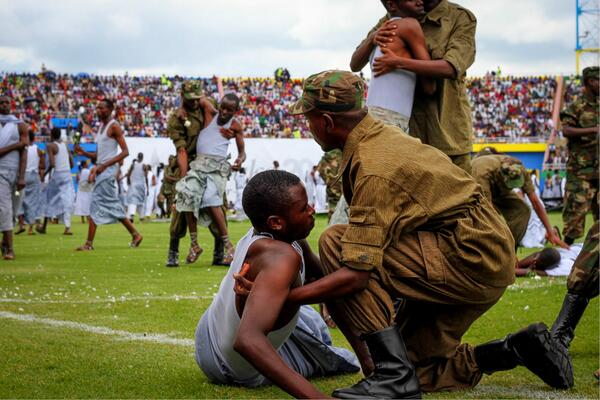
[(219, 252), (220, 262), (394, 376), (173, 259), (563, 329), (533, 348)]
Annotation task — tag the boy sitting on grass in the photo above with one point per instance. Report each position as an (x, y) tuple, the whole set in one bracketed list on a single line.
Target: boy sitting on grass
[(260, 339)]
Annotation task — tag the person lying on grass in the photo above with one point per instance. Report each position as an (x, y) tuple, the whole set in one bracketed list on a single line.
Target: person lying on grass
[(259, 339)]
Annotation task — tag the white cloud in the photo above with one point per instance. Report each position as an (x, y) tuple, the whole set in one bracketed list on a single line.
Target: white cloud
[(252, 38)]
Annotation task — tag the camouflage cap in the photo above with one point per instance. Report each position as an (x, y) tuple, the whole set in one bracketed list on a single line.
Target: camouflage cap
[(513, 172), (191, 90), (331, 91), (591, 72)]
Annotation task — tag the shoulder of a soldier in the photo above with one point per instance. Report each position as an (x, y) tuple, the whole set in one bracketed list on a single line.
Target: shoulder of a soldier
[(457, 11), (173, 121)]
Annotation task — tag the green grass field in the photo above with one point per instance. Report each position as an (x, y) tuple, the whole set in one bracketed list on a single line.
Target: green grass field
[(115, 323)]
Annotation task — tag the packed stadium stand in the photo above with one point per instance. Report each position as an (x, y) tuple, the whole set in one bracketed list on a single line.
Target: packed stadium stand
[(505, 108)]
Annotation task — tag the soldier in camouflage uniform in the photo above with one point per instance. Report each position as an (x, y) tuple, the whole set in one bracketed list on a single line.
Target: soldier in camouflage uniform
[(167, 190), (580, 127), (328, 168), (581, 287), (183, 127)]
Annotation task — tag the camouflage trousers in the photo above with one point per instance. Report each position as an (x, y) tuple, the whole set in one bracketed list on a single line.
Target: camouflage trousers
[(390, 117), (583, 279), (581, 197)]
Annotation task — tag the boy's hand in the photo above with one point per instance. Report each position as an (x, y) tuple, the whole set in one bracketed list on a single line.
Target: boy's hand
[(386, 63)]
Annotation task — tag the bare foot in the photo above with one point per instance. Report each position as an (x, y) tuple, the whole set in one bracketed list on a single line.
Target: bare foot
[(86, 247), (136, 240)]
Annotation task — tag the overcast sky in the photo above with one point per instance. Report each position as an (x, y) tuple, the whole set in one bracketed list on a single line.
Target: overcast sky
[(253, 37)]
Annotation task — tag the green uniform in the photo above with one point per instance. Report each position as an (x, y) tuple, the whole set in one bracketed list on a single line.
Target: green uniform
[(490, 171), (582, 167), (444, 119), (328, 168), (424, 229), (583, 279), (168, 188), (186, 137)]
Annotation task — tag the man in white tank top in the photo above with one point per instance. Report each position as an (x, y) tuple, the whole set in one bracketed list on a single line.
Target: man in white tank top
[(262, 339), (13, 159), (60, 198), (106, 206), (200, 190), (31, 209), (391, 91)]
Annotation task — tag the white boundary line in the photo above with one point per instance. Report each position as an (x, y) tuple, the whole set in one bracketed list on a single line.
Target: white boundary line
[(103, 300), (100, 330)]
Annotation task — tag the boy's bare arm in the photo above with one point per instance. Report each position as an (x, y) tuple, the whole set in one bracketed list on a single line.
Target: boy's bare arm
[(236, 128), (278, 267), (413, 36), (312, 263)]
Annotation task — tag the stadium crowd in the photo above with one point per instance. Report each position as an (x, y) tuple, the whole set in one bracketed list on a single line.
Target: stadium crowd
[(508, 108), (505, 108)]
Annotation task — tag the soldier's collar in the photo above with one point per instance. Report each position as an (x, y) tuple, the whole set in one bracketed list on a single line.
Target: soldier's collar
[(437, 13), (354, 138)]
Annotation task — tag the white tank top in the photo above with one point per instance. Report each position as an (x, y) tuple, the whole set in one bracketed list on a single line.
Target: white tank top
[(61, 159), (211, 142), (33, 159), (9, 134), (107, 146), (393, 91), (138, 174), (223, 318)]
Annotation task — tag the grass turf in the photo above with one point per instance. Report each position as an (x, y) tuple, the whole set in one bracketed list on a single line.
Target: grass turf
[(74, 324)]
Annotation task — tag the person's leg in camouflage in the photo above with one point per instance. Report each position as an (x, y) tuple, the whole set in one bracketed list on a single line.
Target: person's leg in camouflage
[(582, 286), (177, 231), (579, 197)]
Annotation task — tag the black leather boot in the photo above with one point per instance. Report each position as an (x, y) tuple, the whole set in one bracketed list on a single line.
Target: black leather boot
[(394, 376), (173, 255), (219, 252), (533, 348), (563, 329)]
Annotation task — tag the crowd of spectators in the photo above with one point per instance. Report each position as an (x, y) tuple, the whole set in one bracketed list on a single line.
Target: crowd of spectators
[(505, 108), (511, 109), (143, 104)]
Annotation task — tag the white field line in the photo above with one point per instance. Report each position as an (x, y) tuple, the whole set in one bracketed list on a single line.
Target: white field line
[(100, 330), (103, 300), (503, 392)]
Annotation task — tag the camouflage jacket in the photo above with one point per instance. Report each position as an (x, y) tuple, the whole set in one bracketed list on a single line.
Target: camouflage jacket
[(168, 188), (185, 136), (583, 150), (329, 168)]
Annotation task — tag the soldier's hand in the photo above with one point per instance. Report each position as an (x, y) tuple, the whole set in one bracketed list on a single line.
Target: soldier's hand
[(385, 34), (242, 285), (555, 240)]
